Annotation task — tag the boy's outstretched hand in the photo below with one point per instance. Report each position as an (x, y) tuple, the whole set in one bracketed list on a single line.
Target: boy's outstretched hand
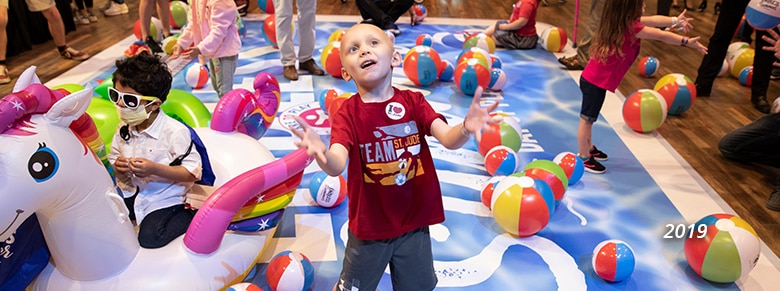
[(477, 118), (310, 140)]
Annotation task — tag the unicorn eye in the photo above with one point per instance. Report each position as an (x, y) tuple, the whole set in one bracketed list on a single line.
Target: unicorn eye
[(43, 164)]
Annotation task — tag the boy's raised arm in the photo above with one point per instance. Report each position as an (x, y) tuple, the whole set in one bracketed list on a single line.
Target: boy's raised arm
[(477, 119)]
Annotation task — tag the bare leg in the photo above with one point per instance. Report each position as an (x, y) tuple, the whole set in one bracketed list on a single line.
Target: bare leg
[(56, 27), (164, 12), (145, 9), (3, 35), (584, 138)]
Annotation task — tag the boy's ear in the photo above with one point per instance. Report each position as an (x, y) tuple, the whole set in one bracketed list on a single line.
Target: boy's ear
[(396, 61), (345, 75)]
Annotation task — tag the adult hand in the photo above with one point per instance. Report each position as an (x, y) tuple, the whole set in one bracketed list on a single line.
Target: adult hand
[(478, 119), (774, 44), (694, 43), (310, 140), (684, 23)]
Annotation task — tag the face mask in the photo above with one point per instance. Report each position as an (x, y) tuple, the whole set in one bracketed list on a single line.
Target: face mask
[(135, 116)]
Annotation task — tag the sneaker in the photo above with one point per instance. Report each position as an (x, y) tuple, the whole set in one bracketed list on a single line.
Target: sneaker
[(153, 45), (5, 77), (74, 54), (92, 17), (116, 9), (106, 6), (593, 166), (392, 28), (775, 73), (599, 155), (773, 202), (83, 20)]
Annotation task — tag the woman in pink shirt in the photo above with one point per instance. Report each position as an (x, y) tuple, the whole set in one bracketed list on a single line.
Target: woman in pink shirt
[(212, 32), (615, 47)]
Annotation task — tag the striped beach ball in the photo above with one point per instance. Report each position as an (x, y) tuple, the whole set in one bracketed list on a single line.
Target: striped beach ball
[(740, 59), (486, 194), (424, 39), (648, 66), (762, 14), (552, 174), (245, 286), (170, 42), (734, 47), (480, 40), (290, 270), (420, 12), (267, 6), (496, 61), (746, 76), (155, 29), (196, 75), (326, 97), (336, 35), (506, 133), (497, 79), (331, 59), (447, 72), (475, 53), (678, 91), (522, 206), (571, 164), (470, 75), (553, 39), (724, 69), (722, 248), (644, 110), (269, 30), (421, 65), (501, 161), (327, 191), (613, 260), (179, 10)]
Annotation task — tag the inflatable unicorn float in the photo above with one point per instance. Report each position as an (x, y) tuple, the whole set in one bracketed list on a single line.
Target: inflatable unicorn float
[(49, 167)]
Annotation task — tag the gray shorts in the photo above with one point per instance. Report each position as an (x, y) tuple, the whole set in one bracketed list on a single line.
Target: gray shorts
[(510, 40), (409, 256), (40, 5)]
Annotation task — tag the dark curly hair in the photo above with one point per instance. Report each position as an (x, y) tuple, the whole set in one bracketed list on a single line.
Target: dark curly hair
[(146, 74)]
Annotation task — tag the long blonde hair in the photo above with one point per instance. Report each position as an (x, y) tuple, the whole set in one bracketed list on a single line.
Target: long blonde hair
[(616, 18)]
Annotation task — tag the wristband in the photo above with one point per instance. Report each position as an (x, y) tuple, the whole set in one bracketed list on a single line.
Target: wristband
[(463, 129), (684, 41)]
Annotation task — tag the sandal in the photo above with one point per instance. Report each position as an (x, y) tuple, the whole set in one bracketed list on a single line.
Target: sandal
[(571, 63)]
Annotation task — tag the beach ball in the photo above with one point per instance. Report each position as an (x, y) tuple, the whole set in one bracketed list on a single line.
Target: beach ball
[(334, 105), (762, 14), (724, 69), (289, 270), (267, 6), (740, 59), (327, 191), (421, 65), (553, 39), (424, 39), (331, 59), (734, 47), (495, 61), (746, 76), (246, 286), (678, 91), (486, 194), (497, 79), (552, 174), (613, 260), (179, 11), (169, 43), (648, 66), (447, 72), (644, 110), (501, 161), (470, 75), (326, 97), (572, 165), (102, 88), (196, 75), (420, 12), (269, 30), (722, 248), (336, 35), (479, 54), (155, 29), (506, 133), (522, 206), (106, 118), (480, 40)]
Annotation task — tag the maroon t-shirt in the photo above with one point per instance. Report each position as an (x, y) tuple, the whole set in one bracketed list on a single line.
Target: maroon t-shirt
[(392, 184)]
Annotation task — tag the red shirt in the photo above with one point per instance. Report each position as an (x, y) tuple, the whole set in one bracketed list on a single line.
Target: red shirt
[(608, 75), (525, 9), (391, 180)]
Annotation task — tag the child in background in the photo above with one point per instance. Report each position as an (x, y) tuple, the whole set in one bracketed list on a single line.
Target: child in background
[(85, 12), (520, 31), (145, 145), (212, 32), (394, 194), (615, 47)]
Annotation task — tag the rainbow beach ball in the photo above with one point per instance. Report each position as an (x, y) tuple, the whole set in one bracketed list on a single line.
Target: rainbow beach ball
[(289, 270), (245, 286), (553, 39), (471, 74), (722, 248), (506, 133), (552, 174), (740, 59), (648, 66), (522, 206), (501, 161), (327, 191), (421, 65), (762, 14), (746, 76), (480, 40), (196, 75), (678, 91), (613, 260), (486, 194), (644, 110), (572, 165), (331, 59)]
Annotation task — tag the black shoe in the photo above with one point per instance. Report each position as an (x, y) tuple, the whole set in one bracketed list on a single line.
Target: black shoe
[(599, 155), (593, 166), (773, 202), (717, 8), (392, 28), (703, 6), (760, 104), (153, 45), (368, 21), (702, 91)]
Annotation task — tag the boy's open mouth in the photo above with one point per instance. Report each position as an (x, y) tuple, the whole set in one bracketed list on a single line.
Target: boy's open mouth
[(367, 64)]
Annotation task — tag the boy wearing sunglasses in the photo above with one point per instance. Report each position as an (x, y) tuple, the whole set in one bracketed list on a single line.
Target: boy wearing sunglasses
[(145, 144)]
